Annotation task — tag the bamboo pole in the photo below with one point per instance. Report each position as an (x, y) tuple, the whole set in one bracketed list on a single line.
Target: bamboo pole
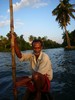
[(12, 50)]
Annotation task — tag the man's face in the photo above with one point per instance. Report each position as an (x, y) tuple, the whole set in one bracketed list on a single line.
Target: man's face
[(37, 48)]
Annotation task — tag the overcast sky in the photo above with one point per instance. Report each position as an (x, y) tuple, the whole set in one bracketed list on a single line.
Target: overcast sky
[(32, 17)]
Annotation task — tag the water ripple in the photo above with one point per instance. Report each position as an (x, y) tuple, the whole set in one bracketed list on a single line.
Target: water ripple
[(62, 85)]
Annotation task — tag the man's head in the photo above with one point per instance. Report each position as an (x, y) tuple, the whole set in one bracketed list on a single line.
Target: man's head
[(37, 46)]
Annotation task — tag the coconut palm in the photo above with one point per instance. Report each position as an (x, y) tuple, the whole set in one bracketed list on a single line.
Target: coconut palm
[(64, 11), (31, 38)]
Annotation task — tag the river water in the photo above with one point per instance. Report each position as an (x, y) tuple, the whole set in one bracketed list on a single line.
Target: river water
[(62, 85)]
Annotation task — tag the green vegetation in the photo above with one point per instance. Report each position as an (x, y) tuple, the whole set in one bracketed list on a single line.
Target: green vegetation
[(72, 39), (5, 43), (47, 43), (64, 12)]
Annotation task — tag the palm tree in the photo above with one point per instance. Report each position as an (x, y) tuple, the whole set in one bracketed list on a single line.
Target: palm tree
[(63, 12), (31, 38)]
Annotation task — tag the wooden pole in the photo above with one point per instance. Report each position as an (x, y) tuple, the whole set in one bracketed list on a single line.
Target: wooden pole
[(12, 50)]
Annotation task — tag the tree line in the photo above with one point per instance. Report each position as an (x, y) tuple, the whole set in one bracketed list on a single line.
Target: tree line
[(5, 42)]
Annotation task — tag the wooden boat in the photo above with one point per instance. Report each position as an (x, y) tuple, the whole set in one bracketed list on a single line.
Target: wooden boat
[(31, 96)]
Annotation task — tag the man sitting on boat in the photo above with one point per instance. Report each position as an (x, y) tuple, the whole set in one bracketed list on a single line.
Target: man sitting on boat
[(41, 68)]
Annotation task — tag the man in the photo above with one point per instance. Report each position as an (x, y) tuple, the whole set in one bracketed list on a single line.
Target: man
[(41, 67)]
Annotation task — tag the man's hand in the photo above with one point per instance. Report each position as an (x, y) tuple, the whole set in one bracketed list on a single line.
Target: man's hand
[(14, 35)]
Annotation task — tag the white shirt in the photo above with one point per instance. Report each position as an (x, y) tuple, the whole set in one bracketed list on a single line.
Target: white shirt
[(42, 65)]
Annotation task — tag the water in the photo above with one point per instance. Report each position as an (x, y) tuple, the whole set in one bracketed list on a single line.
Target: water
[(62, 85)]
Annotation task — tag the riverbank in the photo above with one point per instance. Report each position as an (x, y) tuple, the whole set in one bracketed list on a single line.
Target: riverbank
[(70, 48)]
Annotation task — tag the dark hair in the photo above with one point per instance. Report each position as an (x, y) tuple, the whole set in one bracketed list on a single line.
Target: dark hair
[(37, 40)]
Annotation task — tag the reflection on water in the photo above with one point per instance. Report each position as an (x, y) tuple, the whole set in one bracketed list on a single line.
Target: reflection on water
[(62, 85)]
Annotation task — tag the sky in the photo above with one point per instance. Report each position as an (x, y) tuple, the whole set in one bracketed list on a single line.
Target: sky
[(33, 17)]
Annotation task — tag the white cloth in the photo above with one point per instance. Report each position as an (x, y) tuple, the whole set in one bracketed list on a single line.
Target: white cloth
[(42, 65)]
